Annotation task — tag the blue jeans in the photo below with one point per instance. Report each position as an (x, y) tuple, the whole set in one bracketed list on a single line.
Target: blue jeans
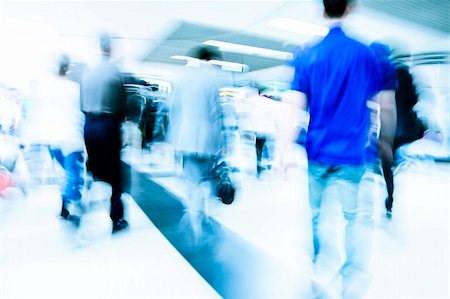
[(342, 184), (73, 165)]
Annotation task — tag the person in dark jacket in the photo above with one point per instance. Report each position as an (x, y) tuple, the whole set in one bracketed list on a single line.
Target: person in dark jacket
[(409, 127)]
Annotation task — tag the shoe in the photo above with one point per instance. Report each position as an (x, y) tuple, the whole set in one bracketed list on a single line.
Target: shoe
[(121, 224), (75, 220), (64, 213), (388, 205), (389, 214)]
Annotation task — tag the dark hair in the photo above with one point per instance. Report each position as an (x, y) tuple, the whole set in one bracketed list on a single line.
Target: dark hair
[(63, 63), (205, 53), (336, 8)]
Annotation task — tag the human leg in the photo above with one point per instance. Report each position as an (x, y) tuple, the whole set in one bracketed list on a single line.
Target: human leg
[(357, 207), (389, 179), (111, 144), (316, 184), (57, 154), (259, 144), (196, 172), (74, 165)]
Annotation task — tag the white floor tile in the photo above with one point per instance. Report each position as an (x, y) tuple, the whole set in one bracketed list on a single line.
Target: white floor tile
[(42, 257)]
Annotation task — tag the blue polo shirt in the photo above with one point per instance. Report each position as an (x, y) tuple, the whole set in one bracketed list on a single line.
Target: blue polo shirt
[(338, 75)]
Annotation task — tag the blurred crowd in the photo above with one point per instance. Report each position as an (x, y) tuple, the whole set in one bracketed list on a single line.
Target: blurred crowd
[(358, 112)]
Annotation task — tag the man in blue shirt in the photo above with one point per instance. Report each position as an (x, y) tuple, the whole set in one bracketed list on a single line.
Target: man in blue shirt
[(334, 79)]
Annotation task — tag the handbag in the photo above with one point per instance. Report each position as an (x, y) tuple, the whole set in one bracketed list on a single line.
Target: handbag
[(221, 178)]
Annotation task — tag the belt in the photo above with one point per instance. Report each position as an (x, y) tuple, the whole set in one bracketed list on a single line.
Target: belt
[(100, 115)]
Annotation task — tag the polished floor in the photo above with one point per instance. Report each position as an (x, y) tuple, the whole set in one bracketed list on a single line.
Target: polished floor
[(257, 247), (44, 257)]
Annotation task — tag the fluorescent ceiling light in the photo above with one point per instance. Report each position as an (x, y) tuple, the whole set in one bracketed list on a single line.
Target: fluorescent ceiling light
[(231, 66), (298, 26), (249, 50), (225, 65), (181, 57)]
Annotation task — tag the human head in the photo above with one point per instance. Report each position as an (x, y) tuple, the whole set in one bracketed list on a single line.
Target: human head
[(337, 9), (205, 53), (105, 44), (63, 64)]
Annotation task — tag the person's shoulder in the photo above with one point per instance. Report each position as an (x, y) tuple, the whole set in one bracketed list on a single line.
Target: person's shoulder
[(66, 86), (71, 84), (48, 82), (360, 46), (303, 54), (402, 68), (352, 40), (111, 67)]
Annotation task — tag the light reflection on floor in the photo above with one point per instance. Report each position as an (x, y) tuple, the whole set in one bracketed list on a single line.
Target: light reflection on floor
[(260, 244)]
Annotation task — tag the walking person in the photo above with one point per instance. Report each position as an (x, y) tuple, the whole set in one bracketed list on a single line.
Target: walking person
[(334, 79), (62, 120), (103, 101), (196, 126), (409, 127)]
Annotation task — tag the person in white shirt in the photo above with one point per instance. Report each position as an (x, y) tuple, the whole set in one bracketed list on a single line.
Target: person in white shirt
[(196, 126), (63, 124)]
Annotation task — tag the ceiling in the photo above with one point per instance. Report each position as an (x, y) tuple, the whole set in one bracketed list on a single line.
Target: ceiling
[(434, 14), (188, 35), (416, 15), (153, 31)]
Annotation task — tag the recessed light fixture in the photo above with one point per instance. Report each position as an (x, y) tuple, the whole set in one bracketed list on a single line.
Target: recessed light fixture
[(182, 57), (231, 66), (249, 50), (298, 26), (225, 65)]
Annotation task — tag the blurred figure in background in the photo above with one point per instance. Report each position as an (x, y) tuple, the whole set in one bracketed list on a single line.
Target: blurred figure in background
[(14, 175), (103, 101), (196, 126), (378, 152), (264, 119), (60, 99), (334, 79), (383, 149), (258, 118), (131, 134), (409, 128), (430, 116)]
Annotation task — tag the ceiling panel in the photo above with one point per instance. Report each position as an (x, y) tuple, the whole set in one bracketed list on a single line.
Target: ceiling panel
[(434, 14)]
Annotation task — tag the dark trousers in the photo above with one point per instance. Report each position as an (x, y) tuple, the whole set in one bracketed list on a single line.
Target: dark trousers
[(388, 164), (389, 179), (103, 145), (259, 144)]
